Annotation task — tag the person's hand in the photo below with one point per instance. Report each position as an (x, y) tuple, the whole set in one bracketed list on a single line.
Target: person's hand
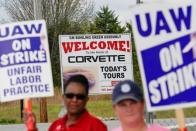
[(30, 121)]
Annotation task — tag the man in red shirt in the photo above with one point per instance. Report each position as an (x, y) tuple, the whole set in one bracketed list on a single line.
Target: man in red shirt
[(77, 118)]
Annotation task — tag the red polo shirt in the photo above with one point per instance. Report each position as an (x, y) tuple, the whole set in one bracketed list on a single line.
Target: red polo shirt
[(86, 122)]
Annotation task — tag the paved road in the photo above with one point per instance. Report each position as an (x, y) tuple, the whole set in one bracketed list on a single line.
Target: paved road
[(44, 126), (170, 123)]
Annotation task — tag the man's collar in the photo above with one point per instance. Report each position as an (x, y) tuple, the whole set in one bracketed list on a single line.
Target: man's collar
[(80, 119)]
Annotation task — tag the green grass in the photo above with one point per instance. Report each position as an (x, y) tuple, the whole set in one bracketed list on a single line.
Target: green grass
[(99, 106), (188, 112), (9, 114), (52, 110)]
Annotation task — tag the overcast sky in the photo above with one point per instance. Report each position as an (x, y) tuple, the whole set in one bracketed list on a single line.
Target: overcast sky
[(120, 7)]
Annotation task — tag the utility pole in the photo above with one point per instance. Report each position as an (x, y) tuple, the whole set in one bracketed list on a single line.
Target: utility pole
[(37, 9), (138, 2), (43, 103), (149, 115)]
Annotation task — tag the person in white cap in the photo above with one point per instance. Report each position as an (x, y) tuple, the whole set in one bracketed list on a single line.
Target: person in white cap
[(128, 105)]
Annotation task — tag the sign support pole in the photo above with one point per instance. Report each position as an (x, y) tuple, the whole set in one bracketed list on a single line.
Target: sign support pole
[(180, 119), (28, 109), (43, 101)]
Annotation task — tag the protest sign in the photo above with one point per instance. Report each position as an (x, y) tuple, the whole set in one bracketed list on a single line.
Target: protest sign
[(104, 59), (25, 68), (165, 36)]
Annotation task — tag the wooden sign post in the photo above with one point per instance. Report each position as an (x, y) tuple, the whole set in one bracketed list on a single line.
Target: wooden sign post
[(180, 119)]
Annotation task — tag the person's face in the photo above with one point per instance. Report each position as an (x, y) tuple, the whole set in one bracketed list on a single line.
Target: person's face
[(75, 98), (129, 111)]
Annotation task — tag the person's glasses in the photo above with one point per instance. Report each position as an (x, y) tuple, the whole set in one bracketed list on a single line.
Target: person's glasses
[(72, 95)]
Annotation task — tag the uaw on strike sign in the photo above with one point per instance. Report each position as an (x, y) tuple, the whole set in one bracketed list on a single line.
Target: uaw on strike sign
[(25, 69), (165, 35), (104, 59)]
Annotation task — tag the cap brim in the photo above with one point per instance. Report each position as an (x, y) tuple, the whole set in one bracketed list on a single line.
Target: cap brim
[(120, 98)]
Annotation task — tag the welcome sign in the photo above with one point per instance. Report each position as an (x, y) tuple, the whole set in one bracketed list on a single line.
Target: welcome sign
[(165, 36), (105, 59), (25, 69)]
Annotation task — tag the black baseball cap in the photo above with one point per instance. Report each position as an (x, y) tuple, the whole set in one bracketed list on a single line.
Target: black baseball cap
[(126, 89)]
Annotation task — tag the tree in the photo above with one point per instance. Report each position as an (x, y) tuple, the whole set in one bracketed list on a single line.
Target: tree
[(106, 22), (62, 17)]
